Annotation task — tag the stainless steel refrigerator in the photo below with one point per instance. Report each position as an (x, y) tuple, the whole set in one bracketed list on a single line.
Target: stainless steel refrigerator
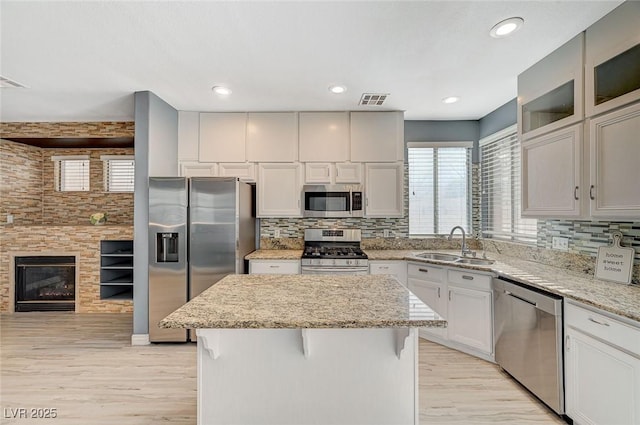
[(200, 230)]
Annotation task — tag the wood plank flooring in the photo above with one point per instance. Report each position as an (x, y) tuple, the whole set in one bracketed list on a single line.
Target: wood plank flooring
[(84, 366)]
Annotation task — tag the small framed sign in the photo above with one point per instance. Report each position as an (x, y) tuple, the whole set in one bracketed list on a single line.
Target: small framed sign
[(614, 263)]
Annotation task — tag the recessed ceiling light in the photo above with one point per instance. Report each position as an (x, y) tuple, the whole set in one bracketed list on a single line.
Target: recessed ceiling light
[(221, 90), (450, 99), (337, 89), (506, 27)]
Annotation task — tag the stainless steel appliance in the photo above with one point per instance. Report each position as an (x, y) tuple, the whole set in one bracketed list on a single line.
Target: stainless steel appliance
[(333, 251), (528, 338), (200, 229), (338, 200)]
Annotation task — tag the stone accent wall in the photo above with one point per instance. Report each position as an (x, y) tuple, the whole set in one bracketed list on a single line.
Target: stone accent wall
[(20, 183), (74, 208), (83, 241), (67, 129)]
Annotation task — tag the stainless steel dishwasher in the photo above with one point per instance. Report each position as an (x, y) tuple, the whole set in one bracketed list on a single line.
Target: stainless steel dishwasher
[(528, 337)]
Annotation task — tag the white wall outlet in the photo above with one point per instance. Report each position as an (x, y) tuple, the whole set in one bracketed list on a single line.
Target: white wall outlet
[(9, 218), (561, 244), (276, 233), (387, 233)]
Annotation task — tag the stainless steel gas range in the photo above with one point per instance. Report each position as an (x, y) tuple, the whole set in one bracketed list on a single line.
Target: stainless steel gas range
[(333, 251)]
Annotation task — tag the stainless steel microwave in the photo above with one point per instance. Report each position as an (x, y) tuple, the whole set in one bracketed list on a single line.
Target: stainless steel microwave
[(336, 200)]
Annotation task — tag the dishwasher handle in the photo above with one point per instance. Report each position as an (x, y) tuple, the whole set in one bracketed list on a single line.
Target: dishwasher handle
[(511, 294)]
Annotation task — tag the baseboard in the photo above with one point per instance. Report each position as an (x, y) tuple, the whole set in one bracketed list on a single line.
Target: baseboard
[(140, 339)]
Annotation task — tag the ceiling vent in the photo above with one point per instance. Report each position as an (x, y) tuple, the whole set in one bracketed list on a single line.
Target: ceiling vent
[(7, 83), (373, 99)]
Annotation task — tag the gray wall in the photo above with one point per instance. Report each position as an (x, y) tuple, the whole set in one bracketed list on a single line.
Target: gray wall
[(156, 154), (443, 131), (499, 119)]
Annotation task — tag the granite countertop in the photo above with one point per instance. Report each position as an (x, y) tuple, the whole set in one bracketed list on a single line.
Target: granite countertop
[(304, 301), (623, 300), (274, 254)]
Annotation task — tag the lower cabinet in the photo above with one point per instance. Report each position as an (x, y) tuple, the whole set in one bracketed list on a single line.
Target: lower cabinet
[(464, 299), (274, 266), (602, 368), (396, 268)]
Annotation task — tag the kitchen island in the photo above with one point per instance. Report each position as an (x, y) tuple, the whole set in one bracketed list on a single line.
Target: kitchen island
[(306, 349)]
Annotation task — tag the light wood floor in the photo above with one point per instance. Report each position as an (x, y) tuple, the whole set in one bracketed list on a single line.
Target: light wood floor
[(84, 366)]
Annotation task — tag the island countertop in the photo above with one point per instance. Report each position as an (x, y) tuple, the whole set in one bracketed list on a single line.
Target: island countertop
[(304, 301)]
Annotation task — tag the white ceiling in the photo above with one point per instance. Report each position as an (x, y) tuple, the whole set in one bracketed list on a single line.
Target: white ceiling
[(82, 61)]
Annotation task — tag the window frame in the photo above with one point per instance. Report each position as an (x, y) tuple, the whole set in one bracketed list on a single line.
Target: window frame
[(106, 172), (59, 172), (468, 145)]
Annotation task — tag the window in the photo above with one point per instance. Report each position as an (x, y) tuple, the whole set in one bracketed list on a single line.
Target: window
[(439, 187), (71, 173), (501, 190), (119, 171)]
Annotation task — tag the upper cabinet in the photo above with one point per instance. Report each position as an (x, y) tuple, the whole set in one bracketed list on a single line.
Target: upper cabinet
[(612, 66), (550, 93), (384, 189), (377, 136), (222, 137), (324, 136), (279, 190), (272, 137), (188, 135)]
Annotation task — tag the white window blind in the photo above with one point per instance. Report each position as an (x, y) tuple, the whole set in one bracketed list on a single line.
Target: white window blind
[(501, 201), (119, 172), (71, 173), (439, 187)]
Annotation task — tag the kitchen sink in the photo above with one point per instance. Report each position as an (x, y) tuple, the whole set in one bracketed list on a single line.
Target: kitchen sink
[(475, 261), (438, 256)]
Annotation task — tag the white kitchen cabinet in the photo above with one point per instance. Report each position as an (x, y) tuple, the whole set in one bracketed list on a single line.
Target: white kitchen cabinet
[(279, 190), (550, 93), (222, 137), (469, 318), (614, 190), (602, 368), (348, 172), (272, 137), (552, 174), (188, 135), (612, 60), (377, 136), (323, 136), (428, 282), (396, 268), (384, 193), (318, 173), (198, 169), (245, 171), (274, 266)]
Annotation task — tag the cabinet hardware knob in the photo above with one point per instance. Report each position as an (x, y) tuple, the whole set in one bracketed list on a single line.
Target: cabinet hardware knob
[(449, 295), (591, 319), (466, 277), (591, 193), (423, 270), (566, 343), (275, 267), (575, 193), (438, 292)]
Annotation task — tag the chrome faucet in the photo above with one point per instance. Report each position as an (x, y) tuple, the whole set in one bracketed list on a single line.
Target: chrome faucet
[(464, 250)]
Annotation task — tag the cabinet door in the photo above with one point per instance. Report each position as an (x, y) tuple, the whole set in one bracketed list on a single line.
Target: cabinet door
[(272, 137), (397, 269), (615, 174), (377, 136), (318, 172), (274, 267), (550, 93), (470, 318), (188, 135), (384, 190), (222, 137), (432, 294), (198, 169), (279, 187), (612, 60), (324, 136), (551, 174), (602, 384), (348, 172), (245, 171)]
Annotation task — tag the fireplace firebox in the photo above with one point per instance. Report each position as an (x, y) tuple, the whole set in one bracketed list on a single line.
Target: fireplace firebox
[(45, 283)]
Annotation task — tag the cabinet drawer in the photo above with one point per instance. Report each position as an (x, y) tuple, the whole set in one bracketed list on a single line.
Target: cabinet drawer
[(274, 267), (470, 279), (603, 327), (426, 271)]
